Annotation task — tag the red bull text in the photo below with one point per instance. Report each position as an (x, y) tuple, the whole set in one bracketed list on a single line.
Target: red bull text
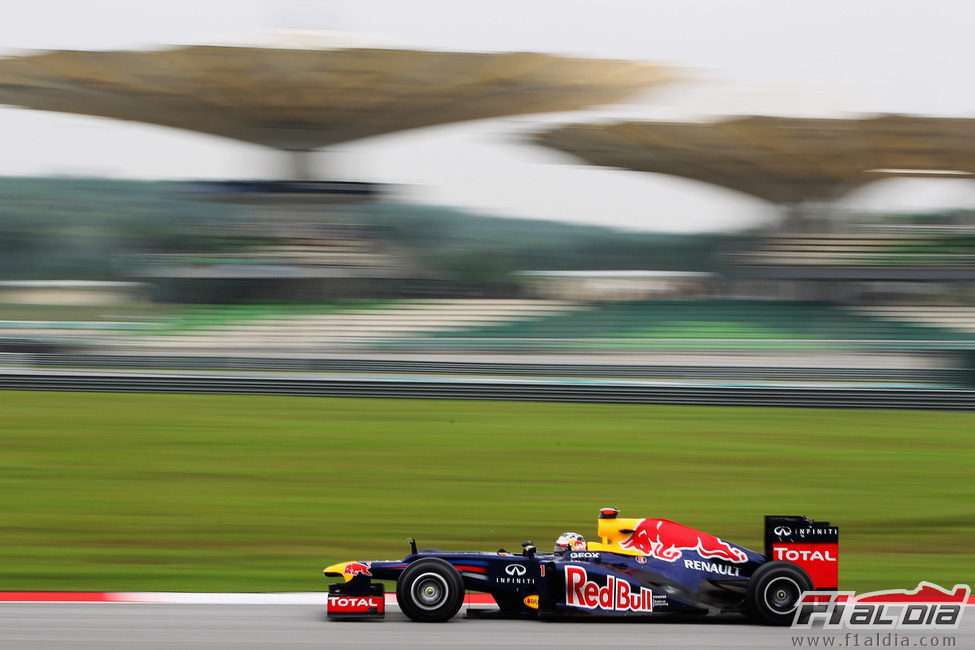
[(616, 595)]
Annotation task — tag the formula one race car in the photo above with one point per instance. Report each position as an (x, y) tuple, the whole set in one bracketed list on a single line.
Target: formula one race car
[(639, 568)]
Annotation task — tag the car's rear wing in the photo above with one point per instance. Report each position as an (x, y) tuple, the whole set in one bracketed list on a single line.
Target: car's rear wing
[(813, 545)]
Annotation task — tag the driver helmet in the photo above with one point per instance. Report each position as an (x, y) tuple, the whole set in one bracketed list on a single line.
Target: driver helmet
[(570, 542)]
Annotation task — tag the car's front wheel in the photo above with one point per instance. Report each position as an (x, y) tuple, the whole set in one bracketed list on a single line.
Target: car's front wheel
[(773, 592), (430, 590)]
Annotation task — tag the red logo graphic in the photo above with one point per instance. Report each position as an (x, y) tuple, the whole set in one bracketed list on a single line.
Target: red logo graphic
[(926, 607), (667, 540), (926, 592), (352, 569)]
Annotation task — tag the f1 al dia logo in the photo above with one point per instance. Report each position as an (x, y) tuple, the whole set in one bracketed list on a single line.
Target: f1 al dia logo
[(927, 607)]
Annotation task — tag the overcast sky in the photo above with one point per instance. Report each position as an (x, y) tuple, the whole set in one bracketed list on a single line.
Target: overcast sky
[(828, 57)]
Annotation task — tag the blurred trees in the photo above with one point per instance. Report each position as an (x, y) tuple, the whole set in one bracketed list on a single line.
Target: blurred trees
[(66, 228), (74, 228)]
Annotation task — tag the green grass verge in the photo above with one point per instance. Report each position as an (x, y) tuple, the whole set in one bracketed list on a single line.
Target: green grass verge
[(189, 492)]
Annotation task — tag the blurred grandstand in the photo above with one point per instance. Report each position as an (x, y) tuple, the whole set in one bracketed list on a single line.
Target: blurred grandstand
[(804, 166), (302, 273), (679, 322)]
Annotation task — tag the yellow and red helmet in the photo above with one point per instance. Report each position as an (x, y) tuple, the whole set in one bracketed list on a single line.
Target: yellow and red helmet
[(570, 542)]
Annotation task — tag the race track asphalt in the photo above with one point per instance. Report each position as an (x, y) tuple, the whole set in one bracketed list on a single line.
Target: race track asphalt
[(156, 626)]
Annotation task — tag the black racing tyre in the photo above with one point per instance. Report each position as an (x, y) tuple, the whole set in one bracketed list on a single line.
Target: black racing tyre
[(430, 590), (773, 592)]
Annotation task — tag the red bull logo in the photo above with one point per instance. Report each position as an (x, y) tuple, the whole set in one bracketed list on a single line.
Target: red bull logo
[(352, 569), (667, 540)]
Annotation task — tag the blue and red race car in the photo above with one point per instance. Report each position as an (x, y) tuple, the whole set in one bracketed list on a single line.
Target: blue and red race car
[(639, 568)]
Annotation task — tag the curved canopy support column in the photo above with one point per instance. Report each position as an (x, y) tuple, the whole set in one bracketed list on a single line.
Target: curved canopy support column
[(301, 168)]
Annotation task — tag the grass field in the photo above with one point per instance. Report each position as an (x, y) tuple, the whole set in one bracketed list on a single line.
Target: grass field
[(187, 492)]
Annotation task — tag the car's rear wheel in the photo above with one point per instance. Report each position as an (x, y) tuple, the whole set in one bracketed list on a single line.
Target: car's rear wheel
[(773, 592), (430, 590)]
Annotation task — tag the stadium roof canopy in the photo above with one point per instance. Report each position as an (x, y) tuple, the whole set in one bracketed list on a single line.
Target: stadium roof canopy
[(783, 160), (304, 99)]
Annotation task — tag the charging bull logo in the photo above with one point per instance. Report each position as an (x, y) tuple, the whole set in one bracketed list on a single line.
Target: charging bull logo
[(352, 569), (667, 540)]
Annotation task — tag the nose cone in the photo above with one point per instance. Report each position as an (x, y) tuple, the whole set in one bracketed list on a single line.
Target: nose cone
[(337, 570)]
